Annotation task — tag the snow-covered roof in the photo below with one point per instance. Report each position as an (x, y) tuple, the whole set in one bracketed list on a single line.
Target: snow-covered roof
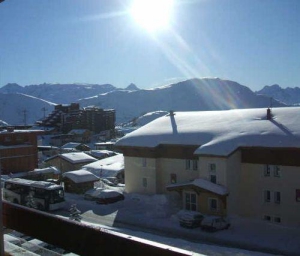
[(78, 131), (101, 153), (77, 157), (204, 184), (80, 176), (221, 132), (107, 167), (70, 145), (50, 169)]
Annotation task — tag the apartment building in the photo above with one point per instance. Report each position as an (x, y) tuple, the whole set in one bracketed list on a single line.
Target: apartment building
[(233, 162)]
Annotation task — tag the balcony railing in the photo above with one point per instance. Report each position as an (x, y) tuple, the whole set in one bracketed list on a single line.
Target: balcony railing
[(77, 237)]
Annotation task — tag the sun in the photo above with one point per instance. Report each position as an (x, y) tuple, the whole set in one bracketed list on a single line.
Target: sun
[(152, 15)]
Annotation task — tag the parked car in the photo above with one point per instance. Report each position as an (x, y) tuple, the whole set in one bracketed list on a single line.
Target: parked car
[(190, 219), (92, 194), (108, 196), (214, 223)]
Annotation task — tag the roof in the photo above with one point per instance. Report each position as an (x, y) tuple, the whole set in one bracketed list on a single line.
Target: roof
[(77, 157), (220, 132), (203, 184), (80, 176), (78, 131), (107, 167), (71, 145)]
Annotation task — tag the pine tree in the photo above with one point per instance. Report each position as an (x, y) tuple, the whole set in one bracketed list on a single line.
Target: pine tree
[(75, 213)]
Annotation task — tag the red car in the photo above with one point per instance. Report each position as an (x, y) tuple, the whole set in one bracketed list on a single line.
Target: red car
[(108, 196)]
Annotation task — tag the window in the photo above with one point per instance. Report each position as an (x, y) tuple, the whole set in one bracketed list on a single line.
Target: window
[(173, 178), (212, 167), (190, 201), (213, 204), (267, 170), (267, 195), (267, 218), (277, 219), (213, 178), (187, 164), (145, 182), (276, 170), (277, 197), (297, 195), (7, 139), (195, 165), (212, 173), (144, 162)]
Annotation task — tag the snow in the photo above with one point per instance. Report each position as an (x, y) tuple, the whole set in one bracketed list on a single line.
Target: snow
[(159, 213), (107, 167), (70, 145), (204, 184), (80, 176), (78, 157), (50, 169), (78, 131), (221, 132)]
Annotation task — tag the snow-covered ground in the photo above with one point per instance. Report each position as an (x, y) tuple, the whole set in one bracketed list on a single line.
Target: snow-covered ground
[(157, 213)]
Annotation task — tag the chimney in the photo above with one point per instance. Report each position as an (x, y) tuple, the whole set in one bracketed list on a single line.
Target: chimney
[(269, 114)]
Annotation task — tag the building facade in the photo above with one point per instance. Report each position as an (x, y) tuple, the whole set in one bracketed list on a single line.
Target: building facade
[(18, 150), (222, 164)]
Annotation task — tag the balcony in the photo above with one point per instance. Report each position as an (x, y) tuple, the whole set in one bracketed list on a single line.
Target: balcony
[(77, 237)]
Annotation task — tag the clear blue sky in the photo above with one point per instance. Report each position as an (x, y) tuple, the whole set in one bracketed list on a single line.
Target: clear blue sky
[(253, 42)]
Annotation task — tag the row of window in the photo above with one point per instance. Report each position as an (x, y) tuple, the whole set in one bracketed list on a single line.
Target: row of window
[(272, 218), (268, 196), (190, 164), (274, 168)]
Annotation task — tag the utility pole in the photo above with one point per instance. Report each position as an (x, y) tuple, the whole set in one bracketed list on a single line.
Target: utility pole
[(25, 116), (44, 110)]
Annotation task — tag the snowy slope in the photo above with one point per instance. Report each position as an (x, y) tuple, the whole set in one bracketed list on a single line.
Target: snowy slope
[(189, 95), (13, 106), (59, 93), (131, 102)]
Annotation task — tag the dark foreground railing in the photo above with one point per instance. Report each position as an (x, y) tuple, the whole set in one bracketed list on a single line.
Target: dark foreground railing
[(79, 238)]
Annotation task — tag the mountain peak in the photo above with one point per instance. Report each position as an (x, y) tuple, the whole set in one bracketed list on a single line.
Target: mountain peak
[(12, 88), (132, 87)]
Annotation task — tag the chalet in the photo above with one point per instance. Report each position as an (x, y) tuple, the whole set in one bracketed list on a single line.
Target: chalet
[(233, 162), (79, 181), (69, 161), (109, 167)]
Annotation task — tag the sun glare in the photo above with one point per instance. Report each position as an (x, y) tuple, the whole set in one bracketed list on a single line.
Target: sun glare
[(152, 15)]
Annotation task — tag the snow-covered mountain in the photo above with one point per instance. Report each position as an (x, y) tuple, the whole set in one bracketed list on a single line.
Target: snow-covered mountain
[(189, 95), (129, 103), (290, 96), (20, 109), (59, 93)]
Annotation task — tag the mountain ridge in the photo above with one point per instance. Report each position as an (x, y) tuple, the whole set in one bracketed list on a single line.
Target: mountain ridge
[(197, 94)]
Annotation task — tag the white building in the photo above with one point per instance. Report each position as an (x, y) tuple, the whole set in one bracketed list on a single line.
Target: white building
[(234, 162)]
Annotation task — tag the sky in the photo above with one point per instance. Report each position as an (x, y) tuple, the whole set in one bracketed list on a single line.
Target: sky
[(252, 42)]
